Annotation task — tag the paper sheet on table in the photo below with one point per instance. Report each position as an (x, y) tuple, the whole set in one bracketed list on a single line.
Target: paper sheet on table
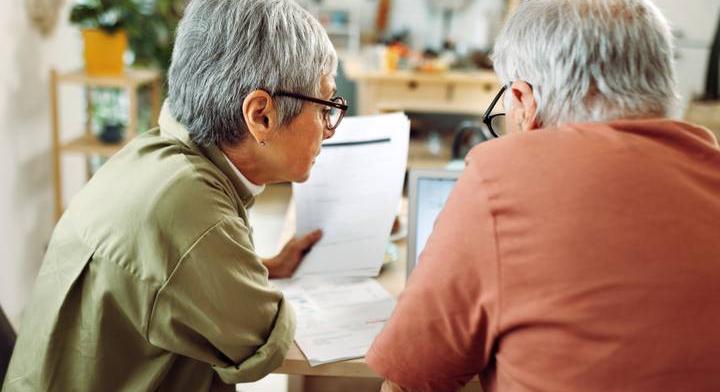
[(337, 319), (352, 195)]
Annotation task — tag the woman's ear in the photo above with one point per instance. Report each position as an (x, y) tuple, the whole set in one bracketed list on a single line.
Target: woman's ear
[(524, 106), (260, 115)]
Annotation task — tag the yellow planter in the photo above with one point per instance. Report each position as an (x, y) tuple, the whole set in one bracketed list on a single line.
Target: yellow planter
[(104, 52)]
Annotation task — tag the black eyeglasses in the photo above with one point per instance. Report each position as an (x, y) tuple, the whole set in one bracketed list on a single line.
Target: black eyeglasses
[(495, 122), (338, 106)]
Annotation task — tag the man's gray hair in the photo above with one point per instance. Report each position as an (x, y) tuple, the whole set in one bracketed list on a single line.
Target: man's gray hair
[(590, 60), (227, 48)]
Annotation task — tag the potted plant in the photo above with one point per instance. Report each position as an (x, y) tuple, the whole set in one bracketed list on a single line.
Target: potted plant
[(147, 27), (104, 35), (108, 116), (706, 109)]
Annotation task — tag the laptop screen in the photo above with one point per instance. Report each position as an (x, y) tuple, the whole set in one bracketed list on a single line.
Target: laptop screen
[(428, 192)]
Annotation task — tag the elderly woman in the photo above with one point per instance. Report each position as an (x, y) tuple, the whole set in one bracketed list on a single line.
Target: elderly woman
[(580, 252), (151, 281)]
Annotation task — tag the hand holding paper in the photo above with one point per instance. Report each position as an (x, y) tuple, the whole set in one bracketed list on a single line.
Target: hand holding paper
[(352, 194), (286, 262)]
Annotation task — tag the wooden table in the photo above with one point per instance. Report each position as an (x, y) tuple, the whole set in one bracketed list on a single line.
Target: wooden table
[(349, 375), (392, 278)]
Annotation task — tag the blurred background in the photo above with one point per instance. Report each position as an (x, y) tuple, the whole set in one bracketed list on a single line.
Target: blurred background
[(79, 78)]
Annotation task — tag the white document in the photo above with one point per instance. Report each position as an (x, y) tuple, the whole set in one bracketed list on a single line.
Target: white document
[(352, 195), (338, 319)]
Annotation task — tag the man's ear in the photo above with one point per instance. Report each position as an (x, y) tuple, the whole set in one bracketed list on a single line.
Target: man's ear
[(260, 115), (524, 105)]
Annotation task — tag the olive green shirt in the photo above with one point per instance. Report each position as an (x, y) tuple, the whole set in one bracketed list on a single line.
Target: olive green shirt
[(151, 281)]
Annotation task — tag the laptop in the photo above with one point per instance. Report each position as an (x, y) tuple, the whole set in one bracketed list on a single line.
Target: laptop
[(427, 192)]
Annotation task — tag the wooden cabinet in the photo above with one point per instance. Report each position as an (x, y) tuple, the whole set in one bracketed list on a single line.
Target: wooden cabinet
[(446, 92)]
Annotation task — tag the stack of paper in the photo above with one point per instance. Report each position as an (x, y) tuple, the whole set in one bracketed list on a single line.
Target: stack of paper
[(352, 195), (338, 318)]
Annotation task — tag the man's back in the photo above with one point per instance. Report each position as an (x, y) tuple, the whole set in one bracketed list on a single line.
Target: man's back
[(579, 259)]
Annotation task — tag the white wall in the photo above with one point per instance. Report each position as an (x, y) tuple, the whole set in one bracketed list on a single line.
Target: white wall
[(473, 28), (25, 160), (363, 10), (694, 23)]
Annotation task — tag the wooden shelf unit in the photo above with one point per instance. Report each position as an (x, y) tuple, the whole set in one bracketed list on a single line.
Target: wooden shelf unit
[(88, 144), (91, 145)]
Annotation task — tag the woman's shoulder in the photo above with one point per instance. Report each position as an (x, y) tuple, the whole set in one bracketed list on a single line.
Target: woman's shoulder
[(160, 185), (191, 188)]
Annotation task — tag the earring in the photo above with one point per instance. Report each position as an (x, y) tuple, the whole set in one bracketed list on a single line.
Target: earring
[(262, 143)]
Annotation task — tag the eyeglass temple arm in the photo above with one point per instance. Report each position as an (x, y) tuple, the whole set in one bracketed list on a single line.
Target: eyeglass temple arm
[(488, 111)]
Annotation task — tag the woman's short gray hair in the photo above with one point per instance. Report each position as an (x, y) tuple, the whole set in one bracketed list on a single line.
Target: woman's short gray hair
[(590, 60), (227, 48)]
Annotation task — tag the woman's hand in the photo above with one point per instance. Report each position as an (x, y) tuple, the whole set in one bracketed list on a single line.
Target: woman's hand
[(284, 264)]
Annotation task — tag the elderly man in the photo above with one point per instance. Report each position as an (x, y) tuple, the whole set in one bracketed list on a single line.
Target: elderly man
[(151, 281), (582, 251)]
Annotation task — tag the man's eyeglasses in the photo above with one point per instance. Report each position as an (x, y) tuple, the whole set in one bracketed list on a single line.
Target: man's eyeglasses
[(337, 106), (495, 121)]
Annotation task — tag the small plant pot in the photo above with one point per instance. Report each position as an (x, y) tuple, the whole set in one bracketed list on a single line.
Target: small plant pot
[(111, 133), (104, 52)]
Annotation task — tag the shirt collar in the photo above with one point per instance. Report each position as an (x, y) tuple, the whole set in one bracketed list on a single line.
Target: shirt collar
[(253, 188), (170, 127)]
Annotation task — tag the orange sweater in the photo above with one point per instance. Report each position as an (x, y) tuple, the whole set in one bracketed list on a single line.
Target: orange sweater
[(584, 258)]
